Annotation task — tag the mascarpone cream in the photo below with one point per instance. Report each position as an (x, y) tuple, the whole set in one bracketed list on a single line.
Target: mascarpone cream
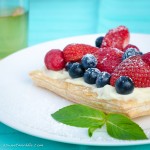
[(108, 92)]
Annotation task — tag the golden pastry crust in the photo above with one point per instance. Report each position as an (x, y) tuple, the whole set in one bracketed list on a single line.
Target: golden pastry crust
[(85, 95)]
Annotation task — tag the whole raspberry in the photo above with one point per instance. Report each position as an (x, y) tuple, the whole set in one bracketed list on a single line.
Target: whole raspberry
[(54, 60)]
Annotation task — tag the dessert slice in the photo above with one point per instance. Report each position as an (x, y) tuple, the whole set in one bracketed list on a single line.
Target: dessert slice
[(106, 99), (125, 89)]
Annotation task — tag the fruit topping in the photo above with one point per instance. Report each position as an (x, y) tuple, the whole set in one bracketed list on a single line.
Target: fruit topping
[(108, 59), (98, 41), (54, 60), (102, 79), (135, 68), (117, 38), (113, 61), (90, 75), (88, 61), (124, 85), (68, 65), (76, 70), (146, 58), (74, 52), (130, 52), (131, 46)]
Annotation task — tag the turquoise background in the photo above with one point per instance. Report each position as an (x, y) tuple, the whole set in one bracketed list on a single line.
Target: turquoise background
[(53, 19)]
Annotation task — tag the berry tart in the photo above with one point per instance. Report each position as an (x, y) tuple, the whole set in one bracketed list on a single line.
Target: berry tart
[(113, 75)]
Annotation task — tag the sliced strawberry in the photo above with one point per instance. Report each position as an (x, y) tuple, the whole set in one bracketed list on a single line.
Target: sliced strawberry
[(108, 59), (135, 68), (74, 52), (131, 46), (117, 38), (146, 58)]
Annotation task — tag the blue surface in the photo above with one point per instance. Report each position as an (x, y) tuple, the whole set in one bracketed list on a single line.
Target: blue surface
[(61, 18), (53, 19)]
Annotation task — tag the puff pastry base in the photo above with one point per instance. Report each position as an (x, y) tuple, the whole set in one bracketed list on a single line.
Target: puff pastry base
[(84, 95)]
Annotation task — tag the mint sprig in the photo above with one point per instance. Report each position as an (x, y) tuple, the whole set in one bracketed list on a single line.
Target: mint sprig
[(121, 127), (118, 126), (92, 129), (80, 116)]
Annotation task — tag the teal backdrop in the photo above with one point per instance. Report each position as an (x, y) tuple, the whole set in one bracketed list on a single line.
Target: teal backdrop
[(55, 19), (52, 19)]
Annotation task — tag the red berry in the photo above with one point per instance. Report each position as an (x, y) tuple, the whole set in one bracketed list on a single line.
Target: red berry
[(131, 46), (108, 59), (54, 60), (117, 38), (74, 52), (135, 68), (146, 58)]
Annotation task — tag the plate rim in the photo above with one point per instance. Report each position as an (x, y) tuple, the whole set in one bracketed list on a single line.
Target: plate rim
[(62, 139), (78, 142)]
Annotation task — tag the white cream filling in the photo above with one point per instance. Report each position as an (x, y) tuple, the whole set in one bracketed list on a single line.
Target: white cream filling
[(62, 74), (108, 92)]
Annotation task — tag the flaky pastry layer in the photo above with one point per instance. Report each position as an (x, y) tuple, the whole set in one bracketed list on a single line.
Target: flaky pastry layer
[(85, 95)]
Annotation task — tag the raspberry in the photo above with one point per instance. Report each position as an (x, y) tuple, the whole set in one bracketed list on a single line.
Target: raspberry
[(108, 59), (146, 58), (135, 68), (117, 38), (130, 46), (54, 60), (74, 52)]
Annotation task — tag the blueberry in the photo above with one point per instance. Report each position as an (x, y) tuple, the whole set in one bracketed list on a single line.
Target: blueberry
[(102, 79), (130, 52), (98, 41), (68, 65), (76, 70), (88, 61), (140, 53), (124, 85), (90, 75)]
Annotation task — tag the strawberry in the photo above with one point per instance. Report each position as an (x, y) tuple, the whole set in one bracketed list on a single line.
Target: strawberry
[(135, 68), (108, 59), (117, 38), (54, 60), (130, 46), (146, 58), (74, 52)]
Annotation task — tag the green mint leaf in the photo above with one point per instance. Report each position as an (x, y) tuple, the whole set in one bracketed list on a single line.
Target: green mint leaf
[(92, 129), (79, 116), (121, 127)]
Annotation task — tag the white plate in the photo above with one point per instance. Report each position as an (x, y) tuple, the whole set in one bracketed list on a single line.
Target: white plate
[(28, 108)]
